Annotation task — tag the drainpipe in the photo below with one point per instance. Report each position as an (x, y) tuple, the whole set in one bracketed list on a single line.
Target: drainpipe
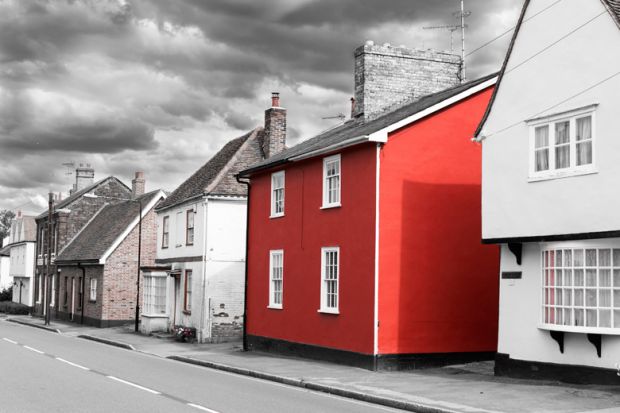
[(203, 301), (81, 285), (247, 243)]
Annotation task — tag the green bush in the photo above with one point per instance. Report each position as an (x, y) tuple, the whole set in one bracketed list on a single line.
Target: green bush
[(6, 294), (10, 307)]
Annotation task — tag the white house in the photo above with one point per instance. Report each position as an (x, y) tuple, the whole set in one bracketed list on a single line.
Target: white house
[(550, 198), (199, 277), (22, 244), (5, 265)]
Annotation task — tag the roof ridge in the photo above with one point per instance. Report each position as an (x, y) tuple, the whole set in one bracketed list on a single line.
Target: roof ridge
[(233, 159)]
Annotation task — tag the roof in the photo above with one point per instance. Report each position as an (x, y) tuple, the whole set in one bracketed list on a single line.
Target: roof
[(357, 128), (69, 200), (613, 6), (217, 175), (6, 251), (100, 233)]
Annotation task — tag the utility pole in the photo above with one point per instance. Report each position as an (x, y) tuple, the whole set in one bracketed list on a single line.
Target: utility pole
[(463, 77), (48, 267), (139, 200)]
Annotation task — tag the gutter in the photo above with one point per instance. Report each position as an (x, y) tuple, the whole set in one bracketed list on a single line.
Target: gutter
[(247, 244)]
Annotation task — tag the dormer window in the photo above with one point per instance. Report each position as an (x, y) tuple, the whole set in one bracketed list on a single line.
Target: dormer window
[(562, 145)]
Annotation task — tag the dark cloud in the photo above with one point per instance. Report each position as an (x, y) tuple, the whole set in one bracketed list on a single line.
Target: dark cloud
[(160, 85)]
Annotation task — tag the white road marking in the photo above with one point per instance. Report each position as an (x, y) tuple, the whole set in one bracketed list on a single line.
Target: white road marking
[(34, 349), (199, 407), (10, 341), (134, 385), (72, 364)]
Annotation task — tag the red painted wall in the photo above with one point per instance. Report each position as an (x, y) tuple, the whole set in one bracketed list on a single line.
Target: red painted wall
[(301, 233), (438, 288)]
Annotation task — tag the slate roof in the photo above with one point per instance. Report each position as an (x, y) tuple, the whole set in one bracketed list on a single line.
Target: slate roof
[(217, 175), (614, 9), (104, 228), (359, 128), (67, 201)]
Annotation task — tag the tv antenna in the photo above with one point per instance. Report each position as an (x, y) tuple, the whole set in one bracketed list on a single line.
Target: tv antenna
[(460, 16), (70, 167), (338, 116)]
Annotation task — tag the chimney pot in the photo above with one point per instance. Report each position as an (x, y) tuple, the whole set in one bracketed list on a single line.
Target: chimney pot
[(275, 99), (352, 106)]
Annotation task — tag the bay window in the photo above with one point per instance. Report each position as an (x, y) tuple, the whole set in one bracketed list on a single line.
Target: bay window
[(155, 294)]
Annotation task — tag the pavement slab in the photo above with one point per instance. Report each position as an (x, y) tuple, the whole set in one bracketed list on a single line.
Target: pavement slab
[(467, 388)]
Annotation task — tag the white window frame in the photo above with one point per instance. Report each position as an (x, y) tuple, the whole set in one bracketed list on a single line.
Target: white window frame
[(150, 290), (53, 298), (326, 203), (565, 288), (272, 291), (179, 228), (92, 295), (571, 116), (325, 308), (40, 288), (274, 177)]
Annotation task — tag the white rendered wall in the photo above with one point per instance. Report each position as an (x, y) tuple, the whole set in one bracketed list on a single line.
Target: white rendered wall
[(178, 247), (520, 315), (5, 279), (514, 207)]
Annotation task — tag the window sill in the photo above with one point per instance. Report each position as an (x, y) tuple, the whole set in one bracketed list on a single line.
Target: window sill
[(186, 312), (610, 331), (274, 307), (178, 245), (338, 205), (92, 301), (155, 315), (189, 245), (276, 216), (164, 248), (561, 174), (328, 311)]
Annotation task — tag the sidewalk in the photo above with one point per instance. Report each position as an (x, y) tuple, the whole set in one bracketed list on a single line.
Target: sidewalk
[(470, 388)]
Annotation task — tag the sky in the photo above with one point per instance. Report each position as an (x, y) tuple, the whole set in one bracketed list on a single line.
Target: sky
[(159, 86)]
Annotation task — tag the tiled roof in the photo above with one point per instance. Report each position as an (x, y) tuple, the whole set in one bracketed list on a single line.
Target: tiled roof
[(358, 128), (67, 201), (217, 175), (614, 5), (99, 234)]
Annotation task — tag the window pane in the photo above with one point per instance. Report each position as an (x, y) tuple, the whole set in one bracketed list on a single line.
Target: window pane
[(604, 258), (542, 136), (562, 156), (584, 153), (568, 258), (567, 278), (578, 258), (616, 278), (590, 278), (579, 319), (590, 258), (590, 297), (578, 277), (604, 278), (579, 298), (616, 255), (562, 133), (617, 298), (604, 318), (591, 318), (604, 298), (542, 160)]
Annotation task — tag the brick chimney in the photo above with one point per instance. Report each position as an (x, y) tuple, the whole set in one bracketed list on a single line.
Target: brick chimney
[(386, 76), (84, 176), (137, 185), (274, 139)]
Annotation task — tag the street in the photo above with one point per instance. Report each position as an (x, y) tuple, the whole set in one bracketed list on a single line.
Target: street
[(47, 372)]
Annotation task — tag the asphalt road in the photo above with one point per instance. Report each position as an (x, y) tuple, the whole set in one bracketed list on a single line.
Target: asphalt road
[(42, 371)]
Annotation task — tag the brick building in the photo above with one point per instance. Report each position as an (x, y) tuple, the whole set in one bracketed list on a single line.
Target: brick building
[(98, 269), (69, 217)]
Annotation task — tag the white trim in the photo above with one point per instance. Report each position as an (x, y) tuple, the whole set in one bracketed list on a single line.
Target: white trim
[(325, 201), (275, 176), (272, 303), (323, 304), (550, 121), (376, 291), (382, 135), (160, 194)]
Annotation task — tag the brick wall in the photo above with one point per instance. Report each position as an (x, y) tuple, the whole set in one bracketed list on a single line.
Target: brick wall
[(78, 213), (73, 275), (387, 76), (119, 284)]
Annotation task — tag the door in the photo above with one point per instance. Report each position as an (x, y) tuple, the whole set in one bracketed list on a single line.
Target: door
[(72, 297)]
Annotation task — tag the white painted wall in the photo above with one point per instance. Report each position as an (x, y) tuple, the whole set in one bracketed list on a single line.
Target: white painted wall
[(22, 269), (218, 280), (5, 279), (511, 205), (520, 314), (177, 247)]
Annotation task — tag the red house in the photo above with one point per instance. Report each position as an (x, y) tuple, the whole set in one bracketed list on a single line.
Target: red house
[(364, 242)]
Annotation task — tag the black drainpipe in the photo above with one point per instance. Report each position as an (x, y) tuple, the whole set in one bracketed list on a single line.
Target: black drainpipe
[(247, 243), (82, 284)]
